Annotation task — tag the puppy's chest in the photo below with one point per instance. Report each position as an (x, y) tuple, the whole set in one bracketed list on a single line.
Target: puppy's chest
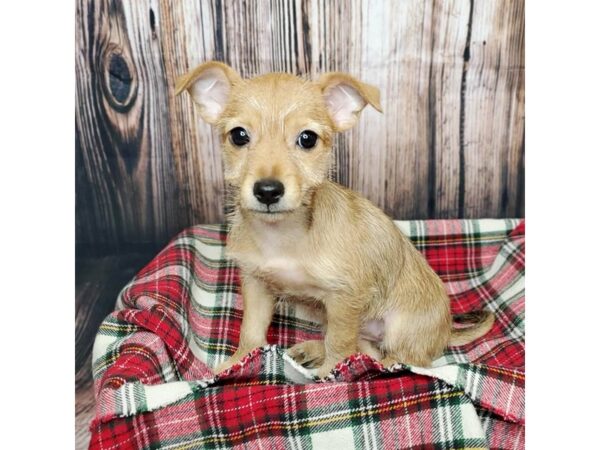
[(283, 272), (282, 266), (286, 275)]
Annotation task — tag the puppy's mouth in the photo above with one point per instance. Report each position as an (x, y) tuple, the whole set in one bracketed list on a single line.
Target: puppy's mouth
[(269, 215), (269, 211)]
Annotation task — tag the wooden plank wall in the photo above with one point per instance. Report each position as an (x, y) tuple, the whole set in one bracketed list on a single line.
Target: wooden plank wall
[(449, 144)]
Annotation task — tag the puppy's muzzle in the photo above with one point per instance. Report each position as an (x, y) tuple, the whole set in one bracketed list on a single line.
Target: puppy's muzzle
[(268, 191)]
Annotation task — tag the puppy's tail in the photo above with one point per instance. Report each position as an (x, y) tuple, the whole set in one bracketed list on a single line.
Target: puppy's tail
[(480, 322)]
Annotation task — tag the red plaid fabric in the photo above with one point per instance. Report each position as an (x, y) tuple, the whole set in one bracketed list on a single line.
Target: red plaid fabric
[(181, 315)]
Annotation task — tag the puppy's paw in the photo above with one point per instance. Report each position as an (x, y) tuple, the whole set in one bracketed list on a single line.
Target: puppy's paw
[(325, 369), (309, 353), (227, 364)]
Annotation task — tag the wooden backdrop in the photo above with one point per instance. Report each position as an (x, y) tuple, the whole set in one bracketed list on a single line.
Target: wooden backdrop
[(449, 144)]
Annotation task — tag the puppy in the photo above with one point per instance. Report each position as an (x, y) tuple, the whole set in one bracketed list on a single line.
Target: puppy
[(296, 235)]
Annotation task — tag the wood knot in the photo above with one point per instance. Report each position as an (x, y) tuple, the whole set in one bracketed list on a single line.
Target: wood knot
[(120, 82)]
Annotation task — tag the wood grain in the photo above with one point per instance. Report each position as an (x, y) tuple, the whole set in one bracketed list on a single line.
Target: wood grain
[(449, 144), (126, 183), (494, 111)]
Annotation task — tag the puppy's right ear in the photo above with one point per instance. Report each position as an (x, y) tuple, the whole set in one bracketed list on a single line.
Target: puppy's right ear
[(209, 84)]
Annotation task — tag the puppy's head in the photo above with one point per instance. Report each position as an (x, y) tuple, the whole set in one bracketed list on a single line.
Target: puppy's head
[(276, 130)]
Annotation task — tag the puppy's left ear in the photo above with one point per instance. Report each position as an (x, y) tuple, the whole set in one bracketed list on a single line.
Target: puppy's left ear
[(209, 84), (346, 97)]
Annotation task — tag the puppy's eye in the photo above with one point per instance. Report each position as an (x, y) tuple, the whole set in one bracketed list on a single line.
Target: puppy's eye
[(307, 139), (239, 136)]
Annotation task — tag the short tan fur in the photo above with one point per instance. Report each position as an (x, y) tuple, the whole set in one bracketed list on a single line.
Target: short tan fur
[(299, 236)]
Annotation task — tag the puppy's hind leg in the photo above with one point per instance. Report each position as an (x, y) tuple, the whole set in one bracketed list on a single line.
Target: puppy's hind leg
[(312, 353), (369, 348), (414, 339), (308, 353)]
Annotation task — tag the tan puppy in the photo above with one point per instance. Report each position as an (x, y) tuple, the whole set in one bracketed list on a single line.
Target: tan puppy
[(296, 235)]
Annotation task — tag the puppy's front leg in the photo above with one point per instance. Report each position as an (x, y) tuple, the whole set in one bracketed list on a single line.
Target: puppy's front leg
[(258, 312), (343, 325)]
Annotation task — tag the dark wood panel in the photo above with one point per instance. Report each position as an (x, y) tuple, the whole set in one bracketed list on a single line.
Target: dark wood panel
[(126, 183), (449, 144)]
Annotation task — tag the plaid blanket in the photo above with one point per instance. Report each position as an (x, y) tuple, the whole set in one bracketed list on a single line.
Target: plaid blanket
[(181, 315)]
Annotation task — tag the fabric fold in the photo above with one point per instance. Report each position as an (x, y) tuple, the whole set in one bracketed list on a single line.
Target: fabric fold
[(180, 316)]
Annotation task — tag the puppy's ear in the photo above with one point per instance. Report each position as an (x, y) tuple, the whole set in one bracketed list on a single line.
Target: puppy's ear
[(209, 84), (346, 97)]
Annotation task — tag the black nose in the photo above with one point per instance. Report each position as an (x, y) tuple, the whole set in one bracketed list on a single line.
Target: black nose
[(268, 191)]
